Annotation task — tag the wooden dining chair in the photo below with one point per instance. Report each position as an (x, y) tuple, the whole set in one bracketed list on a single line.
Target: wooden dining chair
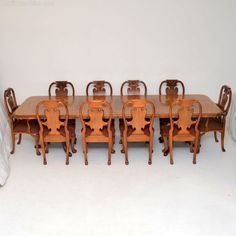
[(138, 118), (133, 87), (19, 126), (183, 127), (171, 87), (52, 127), (99, 88), (61, 89), (217, 124), (96, 120)]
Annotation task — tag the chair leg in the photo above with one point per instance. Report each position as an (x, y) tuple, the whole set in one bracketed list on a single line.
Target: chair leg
[(44, 153), (85, 149), (67, 151), (171, 151), (19, 140), (109, 152), (46, 148), (195, 151), (73, 145), (215, 135), (64, 148), (222, 140), (13, 142), (113, 150), (126, 152), (166, 148), (150, 152), (36, 138)]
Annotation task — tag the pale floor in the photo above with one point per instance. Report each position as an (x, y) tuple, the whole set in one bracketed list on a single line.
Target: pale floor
[(183, 199)]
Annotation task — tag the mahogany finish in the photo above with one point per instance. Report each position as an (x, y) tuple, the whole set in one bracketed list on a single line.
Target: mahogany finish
[(138, 127), (60, 88), (218, 123), (183, 127), (52, 127), (133, 87), (26, 126), (171, 87), (99, 88), (27, 108), (97, 128)]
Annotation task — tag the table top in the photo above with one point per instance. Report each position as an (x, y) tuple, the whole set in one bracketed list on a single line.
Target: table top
[(27, 109)]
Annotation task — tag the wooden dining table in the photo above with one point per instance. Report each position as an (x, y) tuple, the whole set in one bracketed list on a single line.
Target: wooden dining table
[(162, 102)]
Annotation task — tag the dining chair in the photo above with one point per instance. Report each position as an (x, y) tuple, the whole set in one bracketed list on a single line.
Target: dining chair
[(19, 126), (185, 116), (99, 88), (133, 87), (138, 118), (52, 127), (171, 88), (96, 120), (218, 124), (61, 89)]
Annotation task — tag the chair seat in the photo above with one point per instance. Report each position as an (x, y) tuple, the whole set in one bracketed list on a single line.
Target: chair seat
[(21, 126), (213, 124)]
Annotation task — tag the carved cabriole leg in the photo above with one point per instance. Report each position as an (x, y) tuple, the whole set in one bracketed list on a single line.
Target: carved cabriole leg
[(222, 140), (36, 138), (19, 140), (85, 152), (67, 151), (43, 151), (109, 152), (215, 135), (13, 142), (171, 151)]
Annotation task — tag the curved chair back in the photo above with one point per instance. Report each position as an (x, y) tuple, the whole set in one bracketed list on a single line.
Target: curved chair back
[(61, 89), (10, 102), (99, 88), (225, 99), (96, 115), (188, 112), (133, 87), (52, 126), (171, 87), (138, 114)]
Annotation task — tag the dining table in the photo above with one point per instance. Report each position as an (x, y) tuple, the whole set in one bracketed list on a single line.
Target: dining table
[(161, 102)]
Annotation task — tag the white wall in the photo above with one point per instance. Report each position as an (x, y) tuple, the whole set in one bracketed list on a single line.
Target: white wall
[(46, 40)]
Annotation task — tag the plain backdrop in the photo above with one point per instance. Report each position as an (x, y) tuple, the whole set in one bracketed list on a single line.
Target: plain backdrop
[(46, 40)]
